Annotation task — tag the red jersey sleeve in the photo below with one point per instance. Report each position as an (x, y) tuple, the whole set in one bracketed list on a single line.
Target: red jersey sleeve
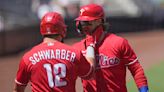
[(22, 76), (133, 64), (84, 68), (138, 74), (127, 53), (85, 71)]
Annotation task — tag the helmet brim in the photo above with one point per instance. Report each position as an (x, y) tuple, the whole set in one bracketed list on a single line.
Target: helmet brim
[(85, 18)]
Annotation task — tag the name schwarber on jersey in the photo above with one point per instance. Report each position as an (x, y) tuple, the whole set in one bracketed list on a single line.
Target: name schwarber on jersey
[(52, 54)]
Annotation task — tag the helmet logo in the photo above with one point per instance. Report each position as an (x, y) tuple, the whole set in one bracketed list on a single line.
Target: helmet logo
[(83, 10), (49, 18)]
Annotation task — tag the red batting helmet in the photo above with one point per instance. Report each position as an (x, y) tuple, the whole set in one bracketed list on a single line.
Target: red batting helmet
[(52, 23), (90, 12)]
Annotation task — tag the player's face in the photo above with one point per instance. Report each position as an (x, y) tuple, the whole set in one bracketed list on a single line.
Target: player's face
[(88, 26)]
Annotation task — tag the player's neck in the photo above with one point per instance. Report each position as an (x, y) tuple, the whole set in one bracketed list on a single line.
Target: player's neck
[(45, 40)]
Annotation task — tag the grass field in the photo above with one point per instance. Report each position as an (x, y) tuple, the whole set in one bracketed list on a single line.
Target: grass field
[(155, 77)]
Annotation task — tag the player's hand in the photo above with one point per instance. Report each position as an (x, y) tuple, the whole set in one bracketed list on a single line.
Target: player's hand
[(143, 89), (90, 41)]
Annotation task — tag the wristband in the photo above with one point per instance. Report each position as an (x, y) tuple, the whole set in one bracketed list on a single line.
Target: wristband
[(143, 89)]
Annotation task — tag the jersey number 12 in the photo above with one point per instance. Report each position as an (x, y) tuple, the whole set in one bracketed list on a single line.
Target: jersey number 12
[(59, 71)]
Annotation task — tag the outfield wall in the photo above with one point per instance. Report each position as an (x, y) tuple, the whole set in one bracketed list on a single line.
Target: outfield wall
[(16, 40)]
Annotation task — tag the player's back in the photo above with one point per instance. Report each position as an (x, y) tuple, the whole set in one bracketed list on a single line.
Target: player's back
[(54, 66)]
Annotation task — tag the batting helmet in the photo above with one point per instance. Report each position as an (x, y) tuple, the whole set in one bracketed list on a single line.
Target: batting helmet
[(53, 23), (90, 12)]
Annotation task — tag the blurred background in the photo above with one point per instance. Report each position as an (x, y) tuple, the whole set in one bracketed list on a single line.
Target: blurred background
[(19, 19), (139, 21)]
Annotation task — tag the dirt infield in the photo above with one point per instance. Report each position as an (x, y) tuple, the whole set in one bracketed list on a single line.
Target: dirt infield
[(149, 47)]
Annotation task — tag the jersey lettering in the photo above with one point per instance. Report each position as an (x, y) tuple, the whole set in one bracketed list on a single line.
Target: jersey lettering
[(105, 61), (59, 71), (52, 54)]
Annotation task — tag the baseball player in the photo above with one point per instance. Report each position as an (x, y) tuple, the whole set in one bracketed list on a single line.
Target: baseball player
[(52, 66), (113, 54)]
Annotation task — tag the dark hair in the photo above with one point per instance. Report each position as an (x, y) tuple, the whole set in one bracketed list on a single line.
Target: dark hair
[(106, 26), (51, 35)]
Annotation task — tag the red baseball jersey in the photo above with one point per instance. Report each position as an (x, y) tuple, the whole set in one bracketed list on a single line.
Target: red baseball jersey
[(112, 57), (52, 67)]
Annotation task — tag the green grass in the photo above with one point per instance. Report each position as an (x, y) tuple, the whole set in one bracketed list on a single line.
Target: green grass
[(155, 77)]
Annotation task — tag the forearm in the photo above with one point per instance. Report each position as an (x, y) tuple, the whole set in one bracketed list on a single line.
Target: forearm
[(139, 76)]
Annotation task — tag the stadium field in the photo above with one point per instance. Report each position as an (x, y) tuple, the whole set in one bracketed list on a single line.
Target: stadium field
[(155, 77)]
